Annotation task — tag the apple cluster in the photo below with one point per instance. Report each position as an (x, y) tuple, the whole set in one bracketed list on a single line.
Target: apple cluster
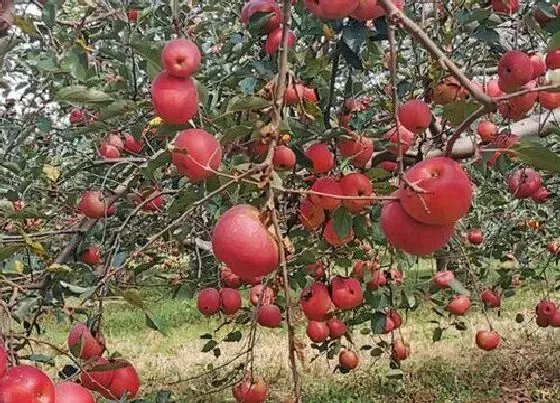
[(113, 145), (525, 183), (547, 314), (361, 10)]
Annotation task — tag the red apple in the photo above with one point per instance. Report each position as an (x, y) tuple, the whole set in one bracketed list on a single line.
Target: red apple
[(358, 148), (230, 280), (268, 9), (554, 247), (26, 384), (316, 302), (91, 255), (443, 279), (71, 392), (77, 117), (415, 115), (331, 236), (230, 301), (505, 6), (372, 9), (252, 255), (356, 184), (3, 361), (311, 216), (460, 305), (549, 100), (400, 351), (84, 342), (198, 154), (181, 58), (523, 183), (411, 236), (545, 308), (175, 100), (250, 390), (487, 131), (487, 340), (331, 9), (326, 185), (321, 157), (348, 359), (448, 188), (108, 151), (284, 158), (379, 279), (490, 299), (538, 63), (208, 301), (337, 328), (94, 205), (318, 332), (269, 315), (346, 293), (274, 40), (406, 136), (125, 384), (316, 269), (99, 376), (310, 95), (133, 145), (475, 236), (514, 70), (255, 295), (554, 320), (553, 59)]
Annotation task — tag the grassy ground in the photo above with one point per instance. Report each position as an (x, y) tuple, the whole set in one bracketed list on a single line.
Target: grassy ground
[(525, 368)]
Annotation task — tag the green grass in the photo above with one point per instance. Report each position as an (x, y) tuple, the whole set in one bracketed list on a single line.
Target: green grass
[(527, 365)]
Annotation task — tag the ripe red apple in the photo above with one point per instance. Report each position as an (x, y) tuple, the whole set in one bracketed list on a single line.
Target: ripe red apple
[(553, 59), (108, 151), (554, 320), (487, 131), (490, 299), (255, 9), (358, 148), (209, 301), (443, 279), (198, 154), (449, 191), (396, 276), (449, 90), (331, 9), (252, 255), (394, 321), (269, 315), (249, 390), (389, 166), (77, 117), (356, 184), (407, 139), (517, 108), (372, 9), (255, 295), (71, 392), (3, 361), (310, 215), (523, 183), (379, 279), (316, 269), (337, 328), (538, 63), (175, 100), (549, 100), (230, 280), (274, 40), (294, 94), (327, 185), (91, 255), (94, 205), (133, 145), (230, 301), (18, 205), (400, 351), (85, 342), (316, 302), (505, 6), (411, 236), (26, 384), (133, 15), (181, 58), (415, 115), (156, 200), (284, 158), (460, 305), (542, 321), (346, 293), (487, 340), (310, 95), (331, 236), (553, 247), (321, 157), (125, 384), (475, 236), (99, 376), (514, 70), (545, 309), (318, 332), (348, 359)]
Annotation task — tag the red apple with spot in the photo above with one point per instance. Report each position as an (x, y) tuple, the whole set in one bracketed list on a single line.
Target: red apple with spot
[(174, 99), (197, 154), (321, 157), (284, 158), (249, 390), (358, 149), (505, 6), (448, 188), (460, 305), (331, 236), (91, 255), (77, 117), (269, 316), (71, 392), (523, 183), (84, 342), (346, 293), (415, 115), (475, 236), (209, 301), (400, 350), (443, 279), (514, 70), (316, 302), (411, 236), (274, 40), (326, 185), (487, 340), (348, 359), (337, 328), (487, 131), (490, 299), (318, 332), (230, 301), (94, 205), (181, 58), (255, 253), (26, 384), (260, 289), (356, 184), (310, 215)]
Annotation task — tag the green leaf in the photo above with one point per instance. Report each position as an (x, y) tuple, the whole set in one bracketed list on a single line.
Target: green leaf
[(350, 56), (46, 359), (233, 336), (553, 42), (243, 103), (459, 288), (456, 112), (77, 63), (234, 132), (395, 374), (538, 156), (487, 34), (436, 336), (117, 108), (44, 124), (209, 346), (152, 53), (82, 94), (378, 323), (153, 323), (49, 12), (8, 251), (342, 222)]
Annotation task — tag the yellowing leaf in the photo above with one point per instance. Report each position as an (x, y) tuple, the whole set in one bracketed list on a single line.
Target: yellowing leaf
[(328, 32), (59, 268), (25, 24), (19, 266), (51, 172), (35, 246), (157, 121)]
